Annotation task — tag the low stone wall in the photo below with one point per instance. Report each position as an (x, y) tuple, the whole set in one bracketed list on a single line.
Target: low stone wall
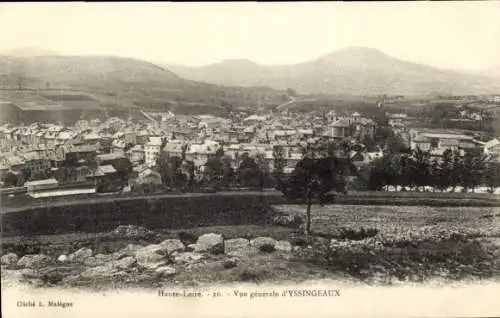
[(153, 213)]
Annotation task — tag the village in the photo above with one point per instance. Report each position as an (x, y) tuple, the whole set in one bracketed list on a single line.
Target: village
[(120, 155)]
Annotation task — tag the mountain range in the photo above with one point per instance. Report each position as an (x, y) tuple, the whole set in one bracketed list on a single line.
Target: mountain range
[(121, 81), (37, 76), (354, 70)]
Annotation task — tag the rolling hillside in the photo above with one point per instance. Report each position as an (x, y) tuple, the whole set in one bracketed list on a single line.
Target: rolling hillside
[(355, 70), (121, 83)]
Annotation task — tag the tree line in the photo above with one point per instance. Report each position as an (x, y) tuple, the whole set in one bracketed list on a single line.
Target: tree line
[(416, 169)]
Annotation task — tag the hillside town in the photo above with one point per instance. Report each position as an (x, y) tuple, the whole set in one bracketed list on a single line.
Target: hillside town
[(123, 155)]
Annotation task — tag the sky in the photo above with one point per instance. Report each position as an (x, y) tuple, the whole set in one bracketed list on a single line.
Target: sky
[(456, 35)]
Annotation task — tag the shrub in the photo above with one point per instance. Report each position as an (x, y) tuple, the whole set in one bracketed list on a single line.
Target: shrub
[(267, 248)]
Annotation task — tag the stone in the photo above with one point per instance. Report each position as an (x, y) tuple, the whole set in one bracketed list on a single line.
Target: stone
[(165, 271), (80, 255), (190, 248), (129, 250), (154, 253), (94, 261), (283, 246), (173, 245), (98, 271), (244, 251), (231, 262), (186, 257), (211, 242), (232, 245), (9, 259), (261, 241), (34, 260), (62, 258), (125, 263)]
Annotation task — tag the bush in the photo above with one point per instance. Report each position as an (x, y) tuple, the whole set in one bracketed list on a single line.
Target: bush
[(267, 248)]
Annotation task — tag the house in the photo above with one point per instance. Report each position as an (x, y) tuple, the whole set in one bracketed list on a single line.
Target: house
[(148, 175), (492, 147), (136, 154), (104, 173), (36, 163), (32, 187), (199, 153), (432, 139), (109, 158), (81, 154), (152, 150), (339, 129), (118, 146)]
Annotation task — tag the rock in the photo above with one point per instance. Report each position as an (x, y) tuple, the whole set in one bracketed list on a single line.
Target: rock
[(80, 255), (94, 261), (129, 250), (232, 245), (9, 259), (151, 254), (186, 257), (261, 241), (244, 251), (34, 260), (132, 231), (211, 242), (153, 265), (98, 271), (283, 246), (231, 262), (173, 245), (165, 271), (125, 263), (62, 258), (190, 248)]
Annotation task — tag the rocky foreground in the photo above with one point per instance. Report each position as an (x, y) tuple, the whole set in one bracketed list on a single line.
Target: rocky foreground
[(153, 264), (355, 255)]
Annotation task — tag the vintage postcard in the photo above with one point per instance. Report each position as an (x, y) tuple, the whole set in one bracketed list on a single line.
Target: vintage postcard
[(246, 159)]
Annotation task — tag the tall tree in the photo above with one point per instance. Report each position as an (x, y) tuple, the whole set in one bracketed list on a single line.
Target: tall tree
[(315, 178)]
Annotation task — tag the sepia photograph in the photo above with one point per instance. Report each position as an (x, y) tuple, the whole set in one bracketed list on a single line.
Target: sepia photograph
[(319, 159)]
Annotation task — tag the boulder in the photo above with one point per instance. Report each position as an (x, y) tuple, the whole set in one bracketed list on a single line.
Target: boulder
[(80, 255), (9, 259), (62, 258), (34, 260), (283, 246), (98, 271), (165, 271), (151, 255), (261, 241), (211, 242), (129, 250), (233, 245), (244, 251), (125, 263), (185, 257), (190, 247), (173, 245), (231, 262)]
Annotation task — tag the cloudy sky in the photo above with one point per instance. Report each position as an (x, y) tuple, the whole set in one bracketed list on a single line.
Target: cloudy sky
[(462, 35)]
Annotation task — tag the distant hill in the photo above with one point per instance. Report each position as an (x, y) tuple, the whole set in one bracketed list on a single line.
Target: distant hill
[(355, 70), (120, 82)]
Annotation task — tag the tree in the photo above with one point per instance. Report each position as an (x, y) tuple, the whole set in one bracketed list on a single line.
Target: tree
[(491, 175), (123, 169), (279, 163), (170, 171), (315, 178), (10, 180), (420, 171), (249, 173)]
